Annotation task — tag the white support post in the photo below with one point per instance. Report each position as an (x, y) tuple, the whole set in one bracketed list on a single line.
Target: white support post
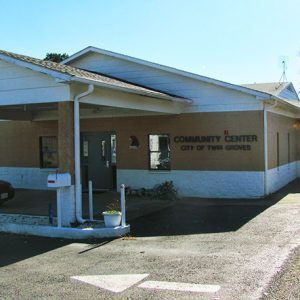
[(91, 210), (58, 195), (123, 209)]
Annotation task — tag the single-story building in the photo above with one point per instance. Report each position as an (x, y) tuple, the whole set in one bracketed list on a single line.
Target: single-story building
[(115, 119)]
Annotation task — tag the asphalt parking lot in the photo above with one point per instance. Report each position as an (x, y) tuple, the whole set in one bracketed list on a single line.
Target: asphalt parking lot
[(234, 247)]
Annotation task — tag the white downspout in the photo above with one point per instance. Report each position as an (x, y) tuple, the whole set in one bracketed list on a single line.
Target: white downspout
[(266, 154), (78, 196)]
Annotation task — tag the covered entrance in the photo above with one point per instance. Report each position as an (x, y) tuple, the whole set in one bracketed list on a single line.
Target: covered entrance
[(99, 160), (48, 105)]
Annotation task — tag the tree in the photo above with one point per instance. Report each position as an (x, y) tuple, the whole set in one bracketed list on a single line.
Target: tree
[(56, 57)]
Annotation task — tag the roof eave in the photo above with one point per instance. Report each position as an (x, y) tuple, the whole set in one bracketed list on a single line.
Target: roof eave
[(62, 77), (128, 90), (286, 103), (34, 67), (77, 54)]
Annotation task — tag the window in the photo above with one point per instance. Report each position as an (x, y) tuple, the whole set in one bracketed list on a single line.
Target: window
[(159, 151), (113, 148), (48, 152)]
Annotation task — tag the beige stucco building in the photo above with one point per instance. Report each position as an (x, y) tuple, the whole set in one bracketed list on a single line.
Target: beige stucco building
[(141, 124)]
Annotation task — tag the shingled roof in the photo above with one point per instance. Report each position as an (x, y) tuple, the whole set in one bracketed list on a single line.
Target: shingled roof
[(86, 75), (273, 88)]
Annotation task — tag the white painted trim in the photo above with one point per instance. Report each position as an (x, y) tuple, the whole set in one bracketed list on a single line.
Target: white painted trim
[(206, 184), (63, 232), (135, 102), (286, 113), (149, 93), (223, 107), (91, 114), (35, 96), (292, 105), (106, 112)]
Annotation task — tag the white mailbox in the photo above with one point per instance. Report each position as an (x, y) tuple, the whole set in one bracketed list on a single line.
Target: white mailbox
[(59, 180)]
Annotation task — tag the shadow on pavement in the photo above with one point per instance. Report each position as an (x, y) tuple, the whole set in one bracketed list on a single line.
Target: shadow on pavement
[(15, 248), (186, 216), (196, 216)]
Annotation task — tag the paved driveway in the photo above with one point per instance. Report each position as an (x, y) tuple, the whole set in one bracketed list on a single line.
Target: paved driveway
[(234, 245)]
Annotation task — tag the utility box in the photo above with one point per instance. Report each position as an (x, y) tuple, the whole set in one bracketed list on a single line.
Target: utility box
[(59, 180)]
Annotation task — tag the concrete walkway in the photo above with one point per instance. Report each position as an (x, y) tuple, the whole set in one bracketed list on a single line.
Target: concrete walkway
[(236, 245), (36, 202)]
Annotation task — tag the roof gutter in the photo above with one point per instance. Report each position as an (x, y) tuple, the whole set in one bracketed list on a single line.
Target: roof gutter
[(282, 101)]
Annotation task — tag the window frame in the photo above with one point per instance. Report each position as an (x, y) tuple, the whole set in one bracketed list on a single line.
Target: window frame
[(41, 152), (149, 152)]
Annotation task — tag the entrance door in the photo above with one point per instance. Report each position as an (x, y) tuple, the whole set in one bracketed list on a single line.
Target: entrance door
[(97, 160)]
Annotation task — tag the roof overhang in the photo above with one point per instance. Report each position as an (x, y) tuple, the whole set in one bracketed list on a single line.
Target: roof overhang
[(291, 106), (36, 68), (126, 90), (65, 78)]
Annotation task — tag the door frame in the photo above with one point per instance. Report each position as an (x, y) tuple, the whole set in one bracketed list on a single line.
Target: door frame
[(84, 181)]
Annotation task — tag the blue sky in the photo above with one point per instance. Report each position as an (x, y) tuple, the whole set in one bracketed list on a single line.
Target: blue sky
[(236, 41)]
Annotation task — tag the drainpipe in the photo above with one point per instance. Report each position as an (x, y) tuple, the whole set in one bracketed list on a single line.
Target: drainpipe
[(78, 195), (266, 154)]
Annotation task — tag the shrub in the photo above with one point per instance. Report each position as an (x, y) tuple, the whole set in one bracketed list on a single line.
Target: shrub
[(165, 190)]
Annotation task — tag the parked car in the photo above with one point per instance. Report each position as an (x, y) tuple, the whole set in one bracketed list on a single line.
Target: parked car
[(6, 191)]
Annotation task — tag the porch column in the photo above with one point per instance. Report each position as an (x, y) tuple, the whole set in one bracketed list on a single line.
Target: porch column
[(66, 158), (66, 138)]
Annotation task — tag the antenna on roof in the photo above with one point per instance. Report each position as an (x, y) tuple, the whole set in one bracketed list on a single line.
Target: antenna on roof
[(283, 77)]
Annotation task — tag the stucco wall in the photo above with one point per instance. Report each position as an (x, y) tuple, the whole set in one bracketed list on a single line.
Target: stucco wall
[(203, 124), (284, 126), (283, 157), (21, 146)]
